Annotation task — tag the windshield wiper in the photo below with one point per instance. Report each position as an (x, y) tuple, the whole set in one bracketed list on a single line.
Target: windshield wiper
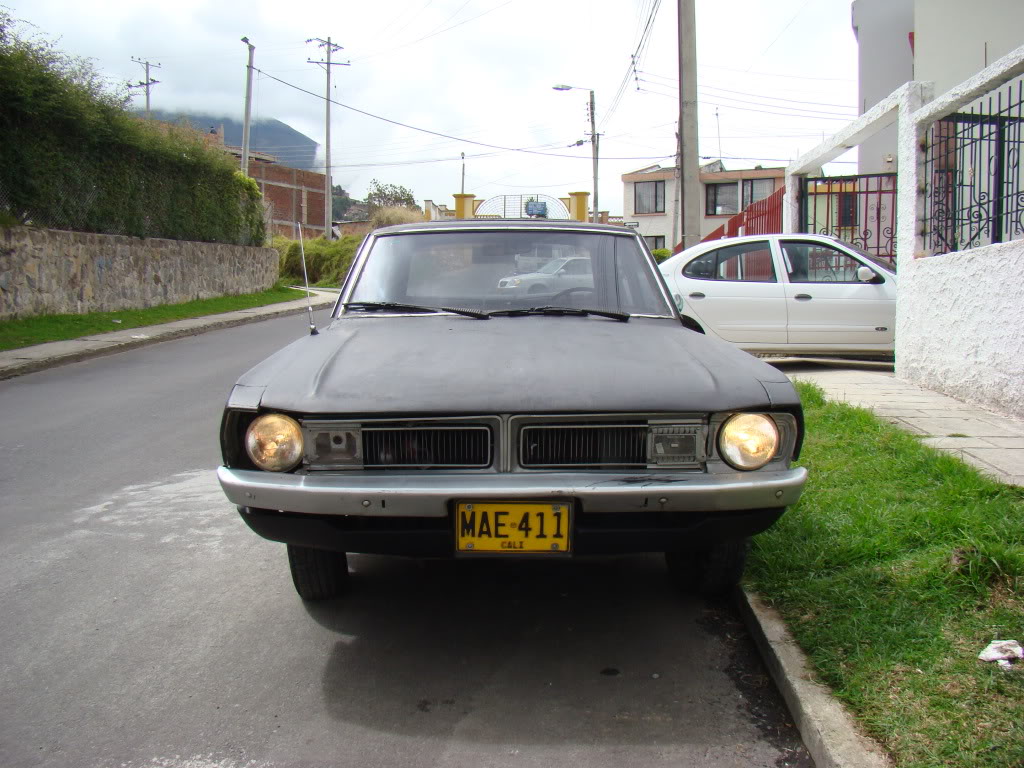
[(574, 311), (372, 305)]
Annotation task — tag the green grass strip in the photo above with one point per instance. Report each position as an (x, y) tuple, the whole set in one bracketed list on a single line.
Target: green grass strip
[(24, 332), (897, 567)]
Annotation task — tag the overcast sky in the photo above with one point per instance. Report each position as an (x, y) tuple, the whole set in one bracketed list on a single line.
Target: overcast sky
[(773, 79)]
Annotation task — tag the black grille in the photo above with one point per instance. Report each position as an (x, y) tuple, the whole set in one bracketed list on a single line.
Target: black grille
[(547, 446), (427, 447)]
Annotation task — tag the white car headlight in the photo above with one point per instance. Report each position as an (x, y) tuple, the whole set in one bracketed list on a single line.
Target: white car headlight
[(748, 440), (274, 442)]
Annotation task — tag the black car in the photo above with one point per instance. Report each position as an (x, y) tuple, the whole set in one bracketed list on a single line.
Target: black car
[(439, 416)]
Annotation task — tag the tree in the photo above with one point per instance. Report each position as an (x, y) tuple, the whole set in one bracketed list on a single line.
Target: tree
[(340, 202), (389, 196)]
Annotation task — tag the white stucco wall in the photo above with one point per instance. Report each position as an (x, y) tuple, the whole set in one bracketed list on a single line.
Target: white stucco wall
[(955, 39), (960, 325)]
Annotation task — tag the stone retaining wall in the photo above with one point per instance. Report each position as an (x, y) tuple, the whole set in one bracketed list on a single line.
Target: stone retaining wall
[(45, 271)]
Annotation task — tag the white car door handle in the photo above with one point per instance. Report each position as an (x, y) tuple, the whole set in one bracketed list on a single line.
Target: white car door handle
[(803, 297), (697, 295)]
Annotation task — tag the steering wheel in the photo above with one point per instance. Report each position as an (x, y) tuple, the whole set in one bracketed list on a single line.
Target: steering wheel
[(564, 295)]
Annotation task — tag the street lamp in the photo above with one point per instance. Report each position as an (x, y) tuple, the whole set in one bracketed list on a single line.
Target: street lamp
[(593, 137)]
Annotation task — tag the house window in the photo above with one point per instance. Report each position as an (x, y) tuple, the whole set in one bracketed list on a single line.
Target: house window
[(654, 242), (756, 189), (722, 199), (649, 197)]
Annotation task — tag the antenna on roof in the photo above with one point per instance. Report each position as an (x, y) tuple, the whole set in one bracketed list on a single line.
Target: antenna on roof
[(309, 302)]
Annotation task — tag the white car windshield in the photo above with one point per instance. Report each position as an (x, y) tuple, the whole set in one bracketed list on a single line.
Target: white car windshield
[(552, 266), (479, 270)]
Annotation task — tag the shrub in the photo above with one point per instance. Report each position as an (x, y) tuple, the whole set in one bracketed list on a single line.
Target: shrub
[(660, 254), (72, 157), (388, 217), (327, 261)]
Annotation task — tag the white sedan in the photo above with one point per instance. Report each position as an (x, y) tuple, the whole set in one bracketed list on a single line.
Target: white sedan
[(795, 293)]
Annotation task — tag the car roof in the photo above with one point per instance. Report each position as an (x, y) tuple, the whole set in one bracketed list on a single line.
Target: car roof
[(707, 245), (455, 225)]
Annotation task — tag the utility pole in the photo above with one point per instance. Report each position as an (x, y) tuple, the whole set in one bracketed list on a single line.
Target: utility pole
[(593, 147), (593, 139), (463, 189), (248, 108), (147, 82), (678, 185), (688, 168), (330, 47)]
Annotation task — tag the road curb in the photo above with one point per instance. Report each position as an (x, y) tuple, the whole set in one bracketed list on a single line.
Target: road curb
[(100, 345), (827, 729)]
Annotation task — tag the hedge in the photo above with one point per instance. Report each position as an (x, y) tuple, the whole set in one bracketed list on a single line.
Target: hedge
[(72, 157)]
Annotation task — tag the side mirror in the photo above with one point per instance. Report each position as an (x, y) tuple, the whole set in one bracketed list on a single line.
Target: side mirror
[(563, 272), (866, 274)]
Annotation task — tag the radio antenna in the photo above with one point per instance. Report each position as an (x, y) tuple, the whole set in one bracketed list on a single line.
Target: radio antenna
[(309, 301)]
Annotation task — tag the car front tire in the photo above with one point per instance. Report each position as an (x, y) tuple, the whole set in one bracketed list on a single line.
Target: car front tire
[(712, 571), (318, 574)]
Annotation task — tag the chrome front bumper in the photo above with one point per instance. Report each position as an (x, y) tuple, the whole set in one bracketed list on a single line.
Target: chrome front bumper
[(429, 495)]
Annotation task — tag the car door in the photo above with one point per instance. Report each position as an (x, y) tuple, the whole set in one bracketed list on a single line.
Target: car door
[(576, 273), (735, 292), (828, 305)]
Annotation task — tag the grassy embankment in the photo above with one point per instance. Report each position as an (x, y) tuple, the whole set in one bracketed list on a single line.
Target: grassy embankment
[(897, 567), (24, 332)]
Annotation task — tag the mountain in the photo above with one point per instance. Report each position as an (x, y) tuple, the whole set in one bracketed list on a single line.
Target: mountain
[(290, 147)]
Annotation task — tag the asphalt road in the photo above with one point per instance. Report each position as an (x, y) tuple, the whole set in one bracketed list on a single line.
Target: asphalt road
[(142, 623)]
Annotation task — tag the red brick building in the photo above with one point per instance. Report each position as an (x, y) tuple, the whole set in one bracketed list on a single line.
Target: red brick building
[(291, 195)]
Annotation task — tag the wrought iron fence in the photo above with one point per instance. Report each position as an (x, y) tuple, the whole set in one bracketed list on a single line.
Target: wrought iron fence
[(858, 209), (974, 176)]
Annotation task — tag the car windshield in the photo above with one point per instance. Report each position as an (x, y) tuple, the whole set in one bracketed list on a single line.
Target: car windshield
[(479, 270), (552, 266)]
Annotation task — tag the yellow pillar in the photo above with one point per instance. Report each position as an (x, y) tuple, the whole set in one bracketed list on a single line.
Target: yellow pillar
[(579, 205), (464, 205)]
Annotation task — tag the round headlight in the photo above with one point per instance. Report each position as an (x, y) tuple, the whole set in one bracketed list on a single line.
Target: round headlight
[(274, 442), (748, 440)]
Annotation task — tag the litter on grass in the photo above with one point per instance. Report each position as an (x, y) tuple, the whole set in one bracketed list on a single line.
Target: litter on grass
[(1003, 652)]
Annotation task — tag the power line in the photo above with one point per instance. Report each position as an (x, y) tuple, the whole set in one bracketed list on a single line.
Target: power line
[(748, 93), (635, 61), (761, 111), (773, 42), (777, 74), (852, 113), (433, 34), (438, 133)]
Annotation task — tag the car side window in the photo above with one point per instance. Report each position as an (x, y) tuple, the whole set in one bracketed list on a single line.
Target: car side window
[(819, 263), (578, 267), (703, 267), (745, 262)]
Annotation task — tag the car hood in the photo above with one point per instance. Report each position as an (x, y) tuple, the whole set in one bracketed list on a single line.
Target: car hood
[(439, 364)]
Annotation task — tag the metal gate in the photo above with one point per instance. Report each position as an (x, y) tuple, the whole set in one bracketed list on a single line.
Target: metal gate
[(975, 176), (858, 209)]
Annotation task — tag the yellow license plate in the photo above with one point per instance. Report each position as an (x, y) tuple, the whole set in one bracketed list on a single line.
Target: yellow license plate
[(513, 527)]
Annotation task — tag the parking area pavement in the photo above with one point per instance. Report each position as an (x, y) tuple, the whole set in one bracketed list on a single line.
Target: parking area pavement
[(990, 441)]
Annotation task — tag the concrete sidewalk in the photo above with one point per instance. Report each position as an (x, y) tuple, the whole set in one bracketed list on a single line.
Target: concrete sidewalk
[(16, 362), (989, 441)]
